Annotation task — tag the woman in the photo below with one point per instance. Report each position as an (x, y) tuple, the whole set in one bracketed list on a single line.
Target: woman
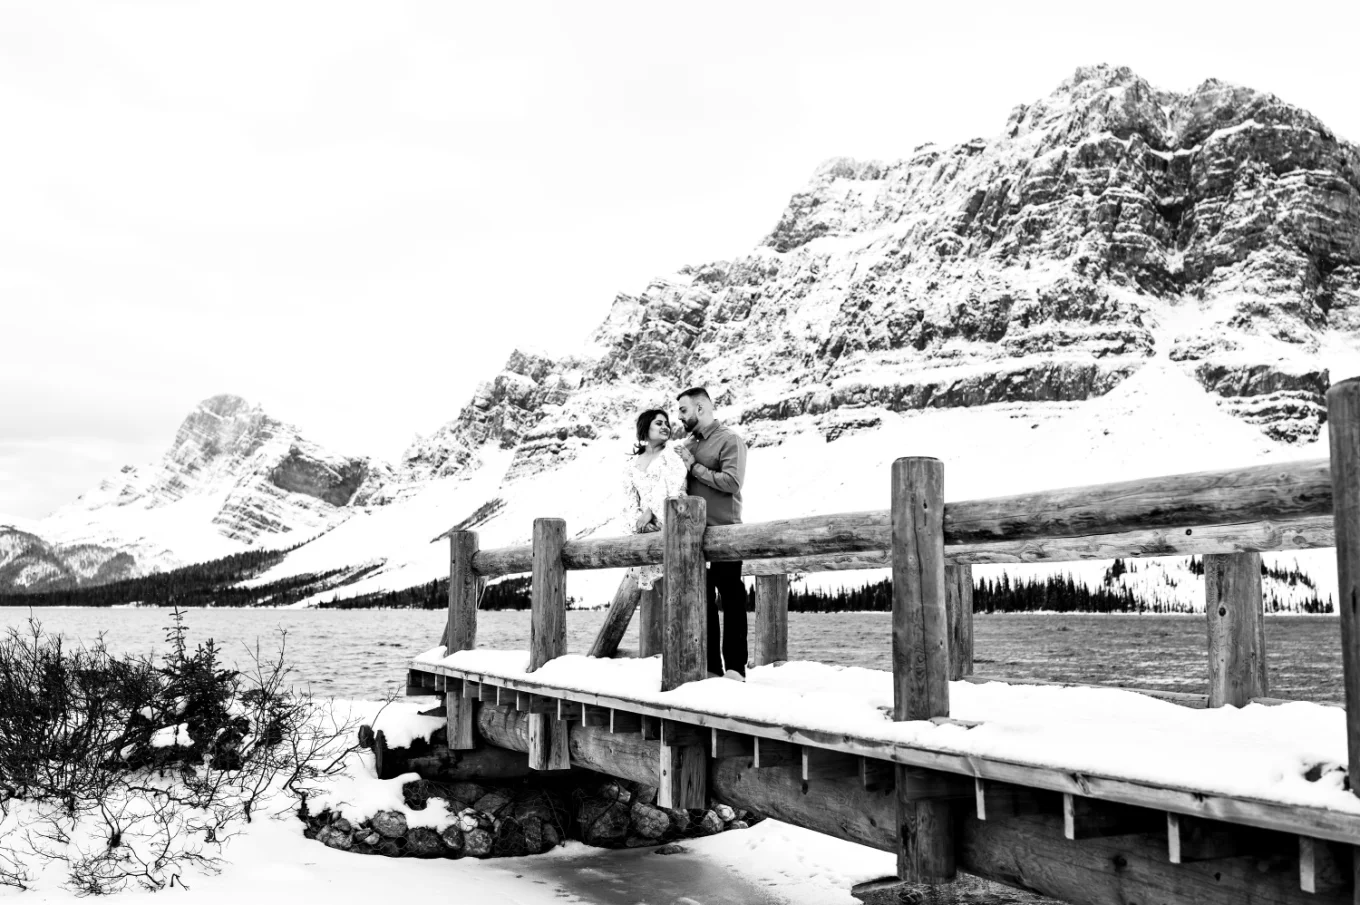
[(653, 473)]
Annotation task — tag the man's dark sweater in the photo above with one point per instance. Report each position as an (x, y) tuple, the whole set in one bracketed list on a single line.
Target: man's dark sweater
[(718, 472)]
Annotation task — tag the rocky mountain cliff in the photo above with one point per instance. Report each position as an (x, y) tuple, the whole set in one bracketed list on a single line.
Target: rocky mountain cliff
[(1107, 224), (233, 477), (1115, 248)]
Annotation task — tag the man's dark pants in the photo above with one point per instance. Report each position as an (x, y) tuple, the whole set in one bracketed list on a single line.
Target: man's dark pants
[(724, 580)]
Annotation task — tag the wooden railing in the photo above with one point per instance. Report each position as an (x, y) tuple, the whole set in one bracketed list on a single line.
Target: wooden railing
[(1229, 517)]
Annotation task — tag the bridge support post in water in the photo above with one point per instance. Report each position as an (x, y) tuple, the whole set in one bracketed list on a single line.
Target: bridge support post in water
[(1237, 638), (684, 633), (772, 619), (460, 632), (926, 826), (548, 638), (1343, 417)]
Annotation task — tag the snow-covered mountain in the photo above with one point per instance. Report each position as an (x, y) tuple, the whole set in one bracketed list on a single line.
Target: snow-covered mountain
[(233, 478), (1123, 281)]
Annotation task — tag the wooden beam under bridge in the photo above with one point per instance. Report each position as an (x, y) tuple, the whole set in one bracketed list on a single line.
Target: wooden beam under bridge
[(1027, 850)]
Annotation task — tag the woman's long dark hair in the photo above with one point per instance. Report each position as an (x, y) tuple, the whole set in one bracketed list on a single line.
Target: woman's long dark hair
[(644, 423)]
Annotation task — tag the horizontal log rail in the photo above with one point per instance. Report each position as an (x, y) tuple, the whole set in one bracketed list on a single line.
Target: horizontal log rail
[(1258, 509)]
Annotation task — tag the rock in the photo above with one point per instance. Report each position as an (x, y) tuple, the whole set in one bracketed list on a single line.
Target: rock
[(680, 820), (649, 822), (388, 848), (738, 825), (368, 838), (470, 819), (419, 791), (492, 803), (603, 822), (423, 842), (633, 841), (477, 843), (333, 838), (725, 813), (532, 828), (551, 837), (365, 736), (645, 794), (673, 848), (710, 823), (452, 838), (341, 825), (391, 824), (463, 794)]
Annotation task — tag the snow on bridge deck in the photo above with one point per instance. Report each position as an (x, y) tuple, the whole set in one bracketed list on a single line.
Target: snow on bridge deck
[(1276, 767)]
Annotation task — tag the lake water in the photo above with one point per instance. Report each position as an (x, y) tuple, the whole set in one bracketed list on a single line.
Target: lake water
[(363, 653)]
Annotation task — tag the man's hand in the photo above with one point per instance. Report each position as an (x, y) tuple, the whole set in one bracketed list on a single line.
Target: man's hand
[(685, 456)]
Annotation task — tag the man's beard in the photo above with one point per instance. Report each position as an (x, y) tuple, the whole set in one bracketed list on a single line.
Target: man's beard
[(690, 423)]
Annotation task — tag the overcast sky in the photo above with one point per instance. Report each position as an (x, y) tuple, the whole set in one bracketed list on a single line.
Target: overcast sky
[(352, 213)]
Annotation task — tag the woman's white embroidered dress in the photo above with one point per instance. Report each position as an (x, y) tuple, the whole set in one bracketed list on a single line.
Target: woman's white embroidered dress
[(648, 489)]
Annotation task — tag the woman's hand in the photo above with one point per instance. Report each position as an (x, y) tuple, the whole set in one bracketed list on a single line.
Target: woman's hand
[(643, 521)]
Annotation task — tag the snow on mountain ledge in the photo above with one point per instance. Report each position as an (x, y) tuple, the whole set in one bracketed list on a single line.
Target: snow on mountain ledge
[(1123, 282)]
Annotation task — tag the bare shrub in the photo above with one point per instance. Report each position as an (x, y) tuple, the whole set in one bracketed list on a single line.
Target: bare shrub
[(128, 771)]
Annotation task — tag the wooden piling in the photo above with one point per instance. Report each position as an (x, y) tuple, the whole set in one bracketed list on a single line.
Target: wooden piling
[(1232, 605), (548, 638), (651, 605), (925, 851), (958, 585), (1343, 424), (772, 619), (684, 641), (460, 632)]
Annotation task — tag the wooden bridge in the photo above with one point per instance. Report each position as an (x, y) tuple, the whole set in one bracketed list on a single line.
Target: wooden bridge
[(1079, 835)]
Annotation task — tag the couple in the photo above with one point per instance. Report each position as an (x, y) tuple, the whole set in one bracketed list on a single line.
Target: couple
[(712, 465)]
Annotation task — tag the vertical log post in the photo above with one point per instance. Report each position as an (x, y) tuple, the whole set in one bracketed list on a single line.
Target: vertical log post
[(548, 638), (1232, 605), (1343, 417), (958, 585), (460, 632), (772, 619), (684, 639), (651, 618), (925, 851)]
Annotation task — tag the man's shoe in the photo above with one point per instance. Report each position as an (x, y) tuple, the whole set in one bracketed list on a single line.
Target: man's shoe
[(734, 676)]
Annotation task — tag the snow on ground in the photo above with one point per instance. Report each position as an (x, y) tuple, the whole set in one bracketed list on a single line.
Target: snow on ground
[(1258, 751), (271, 861)]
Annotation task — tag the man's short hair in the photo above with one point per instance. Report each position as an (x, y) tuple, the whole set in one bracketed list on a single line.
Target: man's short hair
[(696, 393)]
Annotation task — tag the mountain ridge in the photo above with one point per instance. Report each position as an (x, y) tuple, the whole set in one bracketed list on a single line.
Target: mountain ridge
[(1112, 242)]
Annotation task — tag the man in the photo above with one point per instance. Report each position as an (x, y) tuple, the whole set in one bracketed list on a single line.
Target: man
[(716, 459)]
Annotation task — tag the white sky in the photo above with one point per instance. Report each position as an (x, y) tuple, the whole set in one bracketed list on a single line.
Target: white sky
[(351, 213)]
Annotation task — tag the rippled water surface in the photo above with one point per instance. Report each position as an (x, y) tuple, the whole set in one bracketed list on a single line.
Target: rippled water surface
[(363, 653)]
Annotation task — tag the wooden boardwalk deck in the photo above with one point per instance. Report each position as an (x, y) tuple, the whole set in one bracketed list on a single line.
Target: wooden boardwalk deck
[(817, 748)]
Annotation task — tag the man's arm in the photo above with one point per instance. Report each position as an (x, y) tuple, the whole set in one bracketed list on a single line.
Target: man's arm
[(731, 471)]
